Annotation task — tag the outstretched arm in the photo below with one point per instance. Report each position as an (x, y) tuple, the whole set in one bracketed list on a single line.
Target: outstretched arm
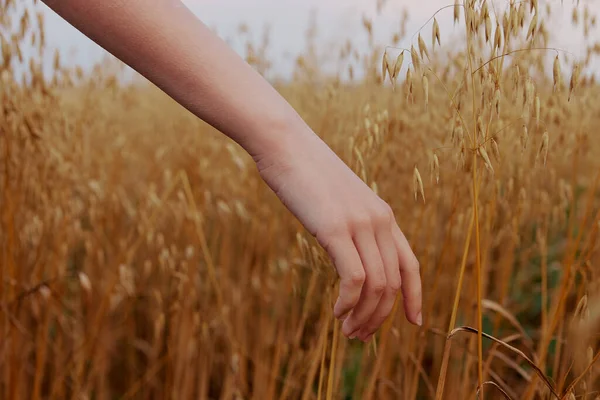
[(166, 43)]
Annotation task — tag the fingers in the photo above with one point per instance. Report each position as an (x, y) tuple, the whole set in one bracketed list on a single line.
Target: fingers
[(374, 263), (348, 264), (411, 279), (389, 255), (375, 282)]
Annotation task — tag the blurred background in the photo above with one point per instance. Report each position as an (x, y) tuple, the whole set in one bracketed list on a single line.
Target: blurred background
[(333, 21), (142, 257)]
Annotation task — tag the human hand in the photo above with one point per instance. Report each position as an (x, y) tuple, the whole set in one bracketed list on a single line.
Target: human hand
[(356, 228)]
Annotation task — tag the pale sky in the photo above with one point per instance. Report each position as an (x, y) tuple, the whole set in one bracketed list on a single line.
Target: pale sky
[(337, 20)]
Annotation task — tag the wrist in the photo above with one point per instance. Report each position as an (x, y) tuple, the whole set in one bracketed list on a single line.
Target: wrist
[(282, 140)]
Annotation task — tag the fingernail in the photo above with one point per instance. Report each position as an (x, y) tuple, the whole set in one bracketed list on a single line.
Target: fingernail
[(354, 334), (419, 319), (368, 338)]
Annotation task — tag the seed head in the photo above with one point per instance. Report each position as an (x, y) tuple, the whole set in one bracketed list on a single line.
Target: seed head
[(45, 292), (581, 306), (529, 91), (415, 58), (556, 74), (517, 77), (470, 17), (85, 283), (456, 11), (544, 147), (506, 26), (574, 80), (418, 184), (497, 38), (397, 68), (521, 15), (56, 63), (435, 168), (532, 26), (514, 17), (537, 110), (486, 159), (493, 72), (460, 134), (409, 83), (423, 47), (481, 72), (435, 34), (497, 101), (462, 156), (524, 137), (484, 9), (6, 56), (480, 128), (495, 150), (17, 48), (426, 90), (385, 66)]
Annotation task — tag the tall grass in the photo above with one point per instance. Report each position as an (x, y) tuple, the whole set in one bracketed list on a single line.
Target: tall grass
[(142, 257)]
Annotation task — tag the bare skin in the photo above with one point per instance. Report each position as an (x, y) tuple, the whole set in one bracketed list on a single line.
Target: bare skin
[(170, 46)]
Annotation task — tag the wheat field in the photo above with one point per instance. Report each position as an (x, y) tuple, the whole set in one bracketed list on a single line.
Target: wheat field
[(142, 257)]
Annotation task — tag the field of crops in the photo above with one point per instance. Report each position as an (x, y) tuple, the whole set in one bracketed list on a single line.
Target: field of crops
[(142, 257)]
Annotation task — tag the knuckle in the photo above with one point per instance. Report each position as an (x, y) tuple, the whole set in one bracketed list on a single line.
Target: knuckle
[(378, 286), (383, 215), (362, 221), (357, 278), (394, 285)]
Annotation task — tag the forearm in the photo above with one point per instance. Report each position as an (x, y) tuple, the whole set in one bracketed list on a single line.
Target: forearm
[(166, 43)]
